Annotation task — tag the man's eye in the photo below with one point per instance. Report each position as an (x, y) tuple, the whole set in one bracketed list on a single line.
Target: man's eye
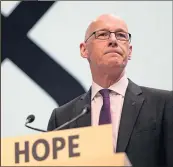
[(104, 34), (122, 35)]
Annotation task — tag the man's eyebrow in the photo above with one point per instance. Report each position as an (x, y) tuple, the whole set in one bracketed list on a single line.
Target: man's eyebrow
[(122, 30), (106, 29), (101, 29)]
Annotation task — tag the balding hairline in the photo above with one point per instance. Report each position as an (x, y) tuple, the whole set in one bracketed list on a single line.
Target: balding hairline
[(88, 33)]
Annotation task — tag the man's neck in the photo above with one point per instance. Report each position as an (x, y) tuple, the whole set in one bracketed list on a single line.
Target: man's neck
[(105, 80)]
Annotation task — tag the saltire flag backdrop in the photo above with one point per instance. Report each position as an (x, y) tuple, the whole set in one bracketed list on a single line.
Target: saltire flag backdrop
[(41, 66)]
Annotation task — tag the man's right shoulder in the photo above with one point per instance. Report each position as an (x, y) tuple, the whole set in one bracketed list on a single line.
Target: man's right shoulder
[(62, 114), (69, 105)]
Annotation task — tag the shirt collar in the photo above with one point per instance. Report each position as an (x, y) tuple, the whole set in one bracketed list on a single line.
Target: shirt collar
[(118, 87)]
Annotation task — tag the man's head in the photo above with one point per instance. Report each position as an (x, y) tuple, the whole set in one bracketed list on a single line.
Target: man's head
[(106, 52)]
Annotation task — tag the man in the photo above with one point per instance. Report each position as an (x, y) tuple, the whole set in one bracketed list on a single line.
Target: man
[(142, 117)]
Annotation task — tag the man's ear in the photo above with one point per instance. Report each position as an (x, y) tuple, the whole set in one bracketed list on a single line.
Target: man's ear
[(83, 50), (130, 52)]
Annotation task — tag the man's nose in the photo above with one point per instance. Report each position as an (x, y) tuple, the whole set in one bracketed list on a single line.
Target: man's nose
[(113, 40)]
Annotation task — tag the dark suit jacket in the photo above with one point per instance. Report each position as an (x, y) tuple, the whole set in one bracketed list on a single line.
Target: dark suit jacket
[(146, 125)]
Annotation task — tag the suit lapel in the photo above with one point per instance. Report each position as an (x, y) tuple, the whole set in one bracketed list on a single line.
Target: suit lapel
[(132, 104), (85, 120)]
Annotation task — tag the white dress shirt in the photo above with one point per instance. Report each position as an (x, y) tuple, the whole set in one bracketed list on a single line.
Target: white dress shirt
[(116, 103)]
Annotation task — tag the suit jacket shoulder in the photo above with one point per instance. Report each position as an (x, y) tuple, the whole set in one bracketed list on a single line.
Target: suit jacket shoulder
[(62, 114), (157, 95), (154, 92)]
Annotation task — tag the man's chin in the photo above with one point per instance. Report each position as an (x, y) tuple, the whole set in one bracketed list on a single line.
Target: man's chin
[(114, 67), (115, 62)]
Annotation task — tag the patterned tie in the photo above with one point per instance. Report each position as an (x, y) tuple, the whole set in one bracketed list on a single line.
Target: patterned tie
[(105, 115)]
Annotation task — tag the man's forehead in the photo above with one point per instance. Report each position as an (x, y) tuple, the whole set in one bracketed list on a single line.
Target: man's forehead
[(109, 24), (107, 21)]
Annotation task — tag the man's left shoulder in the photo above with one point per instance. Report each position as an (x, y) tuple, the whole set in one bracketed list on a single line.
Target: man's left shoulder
[(157, 93), (148, 91)]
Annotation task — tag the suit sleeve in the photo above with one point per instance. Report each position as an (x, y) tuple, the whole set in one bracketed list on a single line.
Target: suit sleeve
[(168, 131), (52, 121)]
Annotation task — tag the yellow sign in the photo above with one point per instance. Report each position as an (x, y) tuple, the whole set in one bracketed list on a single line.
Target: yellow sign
[(79, 146)]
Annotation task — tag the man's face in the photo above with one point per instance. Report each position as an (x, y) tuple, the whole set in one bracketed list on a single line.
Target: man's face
[(110, 53)]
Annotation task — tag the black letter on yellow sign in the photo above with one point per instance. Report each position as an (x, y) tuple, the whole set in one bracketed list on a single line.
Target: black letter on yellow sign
[(59, 147), (35, 150), (25, 152), (72, 146)]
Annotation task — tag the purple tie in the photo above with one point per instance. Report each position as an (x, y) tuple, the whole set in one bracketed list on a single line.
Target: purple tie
[(105, 115)]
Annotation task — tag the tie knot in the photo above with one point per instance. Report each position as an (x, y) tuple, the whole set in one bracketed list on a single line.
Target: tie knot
[(105, 93)]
